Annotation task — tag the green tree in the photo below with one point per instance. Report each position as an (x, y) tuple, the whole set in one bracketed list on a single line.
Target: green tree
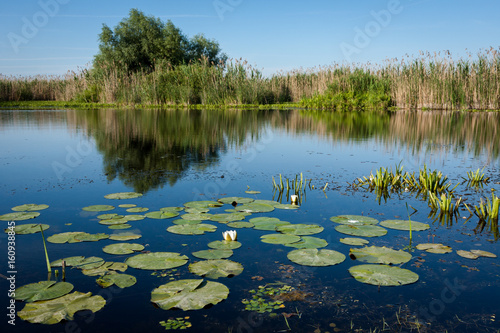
[(139, 42)]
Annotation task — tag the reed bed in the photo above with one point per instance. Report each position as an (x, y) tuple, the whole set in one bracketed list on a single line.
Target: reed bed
[(434, 81)]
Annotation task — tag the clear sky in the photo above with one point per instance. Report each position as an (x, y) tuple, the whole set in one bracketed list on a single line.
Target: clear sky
[(54, 36)]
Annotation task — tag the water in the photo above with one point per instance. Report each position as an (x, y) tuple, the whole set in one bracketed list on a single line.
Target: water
[(71, 159)]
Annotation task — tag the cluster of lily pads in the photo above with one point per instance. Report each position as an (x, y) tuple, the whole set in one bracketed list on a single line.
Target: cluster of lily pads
[(379, 266), (263, 299)]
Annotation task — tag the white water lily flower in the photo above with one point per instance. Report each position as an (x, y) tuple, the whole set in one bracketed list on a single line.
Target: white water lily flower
[(229, 235), (294, 199)]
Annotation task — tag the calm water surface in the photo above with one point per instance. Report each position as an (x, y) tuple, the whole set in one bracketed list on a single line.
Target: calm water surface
[(71, 159)]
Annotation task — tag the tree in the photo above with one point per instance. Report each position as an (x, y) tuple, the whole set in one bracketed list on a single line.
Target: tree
[(139, 42)]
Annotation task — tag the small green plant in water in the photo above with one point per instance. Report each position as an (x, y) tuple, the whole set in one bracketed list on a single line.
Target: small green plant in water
[(176, 324), (476, 179), (261, 300), (488, 209)]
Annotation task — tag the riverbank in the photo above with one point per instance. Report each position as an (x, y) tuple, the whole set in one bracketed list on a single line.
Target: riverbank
[(431, 81)]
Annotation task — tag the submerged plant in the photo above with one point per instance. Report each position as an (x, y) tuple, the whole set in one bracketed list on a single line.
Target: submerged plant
[(176, 324), (264, 298)]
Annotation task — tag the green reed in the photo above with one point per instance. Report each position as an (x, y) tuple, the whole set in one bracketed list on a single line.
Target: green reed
[(476, 179)]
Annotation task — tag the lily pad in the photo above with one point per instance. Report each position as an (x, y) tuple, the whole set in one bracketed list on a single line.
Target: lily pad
[(255, 208), (196, 210), (120, 280), (157, 260), (238, 200), (106, 268), (29, 228), (224, 245), (354, 220), (354, 241), (19, 216), (383, 275), (286, 206), (98, 208), (189, 294), (213, 254), (361, 230), (123, 195), (127, 205), (467, 254), (123, 248), (70, 261), (134, 217), (114, 221), (216, 268), (267, 223), (42, 291), (109, 216), (124, 236), (65, 237), (172, 209), (315, 257), (434, 248), (300, 229), (482, 253), (229, 217), (280, 238), (240, 224), (85, 237), (137, 209), (380, 255), (29, 207), (404, 225), (89, 263), (191, 229), (196, 216), (61, 308), (160, 215), (308, 242), (252, 192), (183, 221), (202, 204), (119, 226)]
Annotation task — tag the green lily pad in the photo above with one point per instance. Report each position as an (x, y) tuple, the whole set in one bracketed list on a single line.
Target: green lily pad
[(124, 236), (61, 308), (29, 228), (89, 263), (266, 202), (315, 257), (196, 210), (157, 260), (354, 241), (255, 208), (240, 224), (191, 229), (137, 209), (123, 248), (300, 229), (230, 217), (267, 223), (252, 192), (19, 216), (216, 268), (354, 220), (213, 254), (119, 226), (109, 216), (380, 255), (85, 237), (42, 291), (196, 216), (361, 230), (134, 217), (405, 225), (286, 206), (183, 221), (172, 209), (98, 208), (114, 221), (105, 268), (29, 207), (160, 215), (189, 294), (123, 195), (202, 204), (127, 205), (308, 242), (482, 253), (434, 248), (383, 275), (65, 237), (120, 280), (279, 238), (70, 261), (224, 245), (238, 200)]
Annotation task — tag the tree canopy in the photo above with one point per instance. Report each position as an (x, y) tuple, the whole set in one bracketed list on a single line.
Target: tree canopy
[(141, 42)]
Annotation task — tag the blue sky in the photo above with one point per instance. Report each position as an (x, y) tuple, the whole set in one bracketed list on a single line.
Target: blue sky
[(50, 37)]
